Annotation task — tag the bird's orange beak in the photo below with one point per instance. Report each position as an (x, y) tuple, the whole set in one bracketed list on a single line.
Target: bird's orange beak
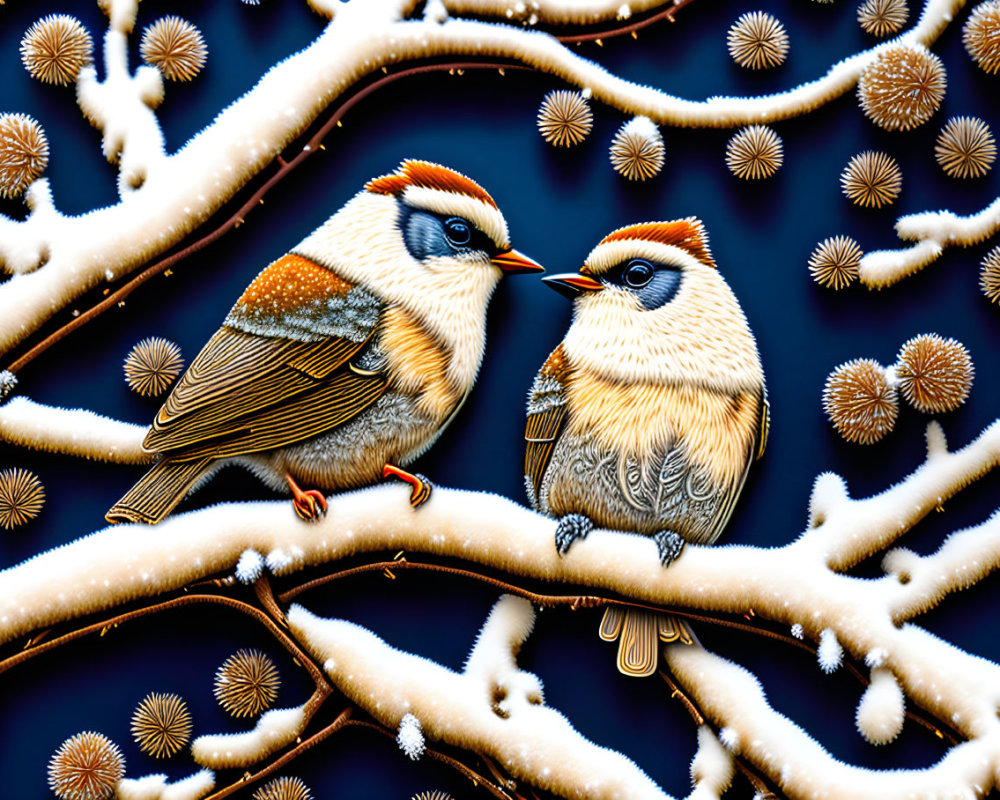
[(573, 284), (515, 263)]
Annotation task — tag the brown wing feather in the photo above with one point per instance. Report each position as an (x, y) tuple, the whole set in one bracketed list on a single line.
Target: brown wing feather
[(335, 401), (219, 389), (757, 445), (241, 373), (543, 427)]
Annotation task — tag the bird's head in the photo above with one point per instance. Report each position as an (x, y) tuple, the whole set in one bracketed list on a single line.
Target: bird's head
[(650, 305), (424, 235)]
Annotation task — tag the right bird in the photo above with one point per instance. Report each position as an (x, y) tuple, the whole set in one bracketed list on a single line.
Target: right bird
[(343, 360), (648, 415)]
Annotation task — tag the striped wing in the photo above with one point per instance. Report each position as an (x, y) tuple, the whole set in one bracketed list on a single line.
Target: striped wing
[(247, 392), (546, 416)]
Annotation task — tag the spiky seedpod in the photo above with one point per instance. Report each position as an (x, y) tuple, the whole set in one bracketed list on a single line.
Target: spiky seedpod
[(757, 41), (152, 365), (283, 789), (637, 150), (965, 147), (860, 402), (565, 118), (247, 683), (22, 497), (989, 275), (935, 374), (175, 47), (87, 766), (433, 796), (871, 178), (24, 153), (902, 88), (56, 48), (755, 152), (981, 36), (835, 261), (882, 17), (161, 724)]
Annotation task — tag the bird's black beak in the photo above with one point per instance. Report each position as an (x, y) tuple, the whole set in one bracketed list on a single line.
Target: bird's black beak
[(515, 263), (573, 284)]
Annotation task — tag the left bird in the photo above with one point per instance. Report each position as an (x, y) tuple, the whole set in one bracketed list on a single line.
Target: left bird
[(345, 359)]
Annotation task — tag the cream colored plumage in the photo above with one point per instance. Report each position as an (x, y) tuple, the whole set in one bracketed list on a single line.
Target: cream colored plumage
[(344, 359), (648, 414)]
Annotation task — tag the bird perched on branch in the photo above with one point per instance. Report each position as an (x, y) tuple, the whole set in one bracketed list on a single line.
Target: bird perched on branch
[(647, 416), (343, 360)]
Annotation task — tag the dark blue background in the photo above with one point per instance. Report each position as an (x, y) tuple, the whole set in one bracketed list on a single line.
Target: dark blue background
[(558, 204)]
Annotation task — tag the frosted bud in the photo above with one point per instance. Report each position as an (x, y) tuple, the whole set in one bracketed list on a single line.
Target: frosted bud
[(881, 710), (830, 652)]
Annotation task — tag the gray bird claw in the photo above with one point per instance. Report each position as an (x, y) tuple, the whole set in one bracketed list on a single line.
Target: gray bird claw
[(570, 528), (669, 546)]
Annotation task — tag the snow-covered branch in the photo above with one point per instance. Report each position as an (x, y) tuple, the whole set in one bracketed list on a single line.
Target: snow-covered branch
[(156, 787), (932, 231), (799, 585), (122, 104), (71, 431), (56, 258), (734, 701), (492, 708)]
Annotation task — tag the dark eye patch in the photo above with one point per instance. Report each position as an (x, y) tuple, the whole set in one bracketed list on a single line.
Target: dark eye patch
[(427, 235), (654, 284)]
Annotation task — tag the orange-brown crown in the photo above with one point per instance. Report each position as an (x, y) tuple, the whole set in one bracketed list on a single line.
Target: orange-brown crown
[(428, 175), (688, 234)]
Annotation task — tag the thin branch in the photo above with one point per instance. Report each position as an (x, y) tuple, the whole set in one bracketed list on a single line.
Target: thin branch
[(630, 29), (474, 777), (286, 166), (102, 627), (342, 720)]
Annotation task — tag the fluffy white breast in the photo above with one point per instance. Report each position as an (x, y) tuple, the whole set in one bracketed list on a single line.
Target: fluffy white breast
[(701, 336)]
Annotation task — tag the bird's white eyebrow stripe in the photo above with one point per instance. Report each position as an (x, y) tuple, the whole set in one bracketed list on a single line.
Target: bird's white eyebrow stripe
[(610, 254), (488, 219)]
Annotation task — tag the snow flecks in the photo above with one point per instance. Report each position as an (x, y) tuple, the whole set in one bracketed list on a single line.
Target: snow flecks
[(156, 787), (410, 737), (797, 631), (249, 567), (876, 657), (156, 211), (730, 739), (795, 584), (830, 653), (530, 741), (711, 767), (798, 764), (932, 231), (882, 708), (71, 431), (274, 730)]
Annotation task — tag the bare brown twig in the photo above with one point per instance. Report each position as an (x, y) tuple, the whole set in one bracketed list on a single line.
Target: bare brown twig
[(286, 166)]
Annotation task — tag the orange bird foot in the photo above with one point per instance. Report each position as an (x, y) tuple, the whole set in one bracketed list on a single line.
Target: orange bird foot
[(310, 505), (420, 485)]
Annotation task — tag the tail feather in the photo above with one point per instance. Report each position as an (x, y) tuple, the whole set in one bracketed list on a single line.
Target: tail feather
[(639, 634), (158, 492)]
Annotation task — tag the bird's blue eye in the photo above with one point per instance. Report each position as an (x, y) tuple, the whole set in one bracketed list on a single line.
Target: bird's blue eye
[(458, 231), (637, 273)]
